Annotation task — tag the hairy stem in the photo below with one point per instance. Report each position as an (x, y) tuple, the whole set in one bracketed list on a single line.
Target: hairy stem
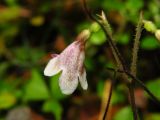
[(136, 46), (106, 28), (116, 53)]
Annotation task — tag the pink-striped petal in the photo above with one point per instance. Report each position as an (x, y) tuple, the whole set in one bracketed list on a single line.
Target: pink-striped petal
[(68, 82)]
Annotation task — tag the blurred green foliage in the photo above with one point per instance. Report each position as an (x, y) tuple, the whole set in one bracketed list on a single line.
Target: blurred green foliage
[(124, 114), (6, 100), (150, 43), (53, 107), (30, 30), (154, 86), (35, 89)]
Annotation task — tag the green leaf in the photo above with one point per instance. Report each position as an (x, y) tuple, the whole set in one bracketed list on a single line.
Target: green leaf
[(26, 54), (10, 30), (134, 5), (100, 88), (21, 53), (89, 63), (36, 89), (9, 14), (94, 27), (7, 100), (113, 5), (153, 86), (123, 39), (131, 10), (5, 86), (55, 89), (110, 64), (53, 107), (124, 114), (82, 26), (47, 6), (11, 2), (149, 43), (3, 68), (97, 38), (36, 54), (117, 97)]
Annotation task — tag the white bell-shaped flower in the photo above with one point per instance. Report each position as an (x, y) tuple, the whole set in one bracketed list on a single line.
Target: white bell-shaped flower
[(71, 63)]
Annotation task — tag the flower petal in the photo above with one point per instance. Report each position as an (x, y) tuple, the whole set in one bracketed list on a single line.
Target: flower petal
[(68, 82), (52, 67), (83, 80)]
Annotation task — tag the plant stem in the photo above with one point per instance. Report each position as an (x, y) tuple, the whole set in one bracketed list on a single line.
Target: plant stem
[(108, 102), (110, 95), (154, 98), (132, 100), (120, 61), (122, 67), (136, 46)]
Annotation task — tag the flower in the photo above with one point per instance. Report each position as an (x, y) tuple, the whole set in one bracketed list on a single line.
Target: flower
[(70, 62), (149, 26)]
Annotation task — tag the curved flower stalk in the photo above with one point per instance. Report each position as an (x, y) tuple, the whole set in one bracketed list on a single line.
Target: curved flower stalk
[(70, 62)]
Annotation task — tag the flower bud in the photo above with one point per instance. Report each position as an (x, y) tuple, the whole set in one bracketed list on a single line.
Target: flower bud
[(157, 34), (103, 15), (149, 26)]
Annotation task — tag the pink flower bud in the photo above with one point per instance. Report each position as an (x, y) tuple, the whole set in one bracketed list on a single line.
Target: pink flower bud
[(71, 63)]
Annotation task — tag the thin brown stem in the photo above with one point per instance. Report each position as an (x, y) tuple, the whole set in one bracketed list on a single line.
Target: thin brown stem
[(110, 95), (108, 103), (153, 97), (132, 100), (87, 11)]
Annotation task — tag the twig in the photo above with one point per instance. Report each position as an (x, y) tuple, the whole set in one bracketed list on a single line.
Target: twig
[(153, 97), (110, 95), (132, 100)]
